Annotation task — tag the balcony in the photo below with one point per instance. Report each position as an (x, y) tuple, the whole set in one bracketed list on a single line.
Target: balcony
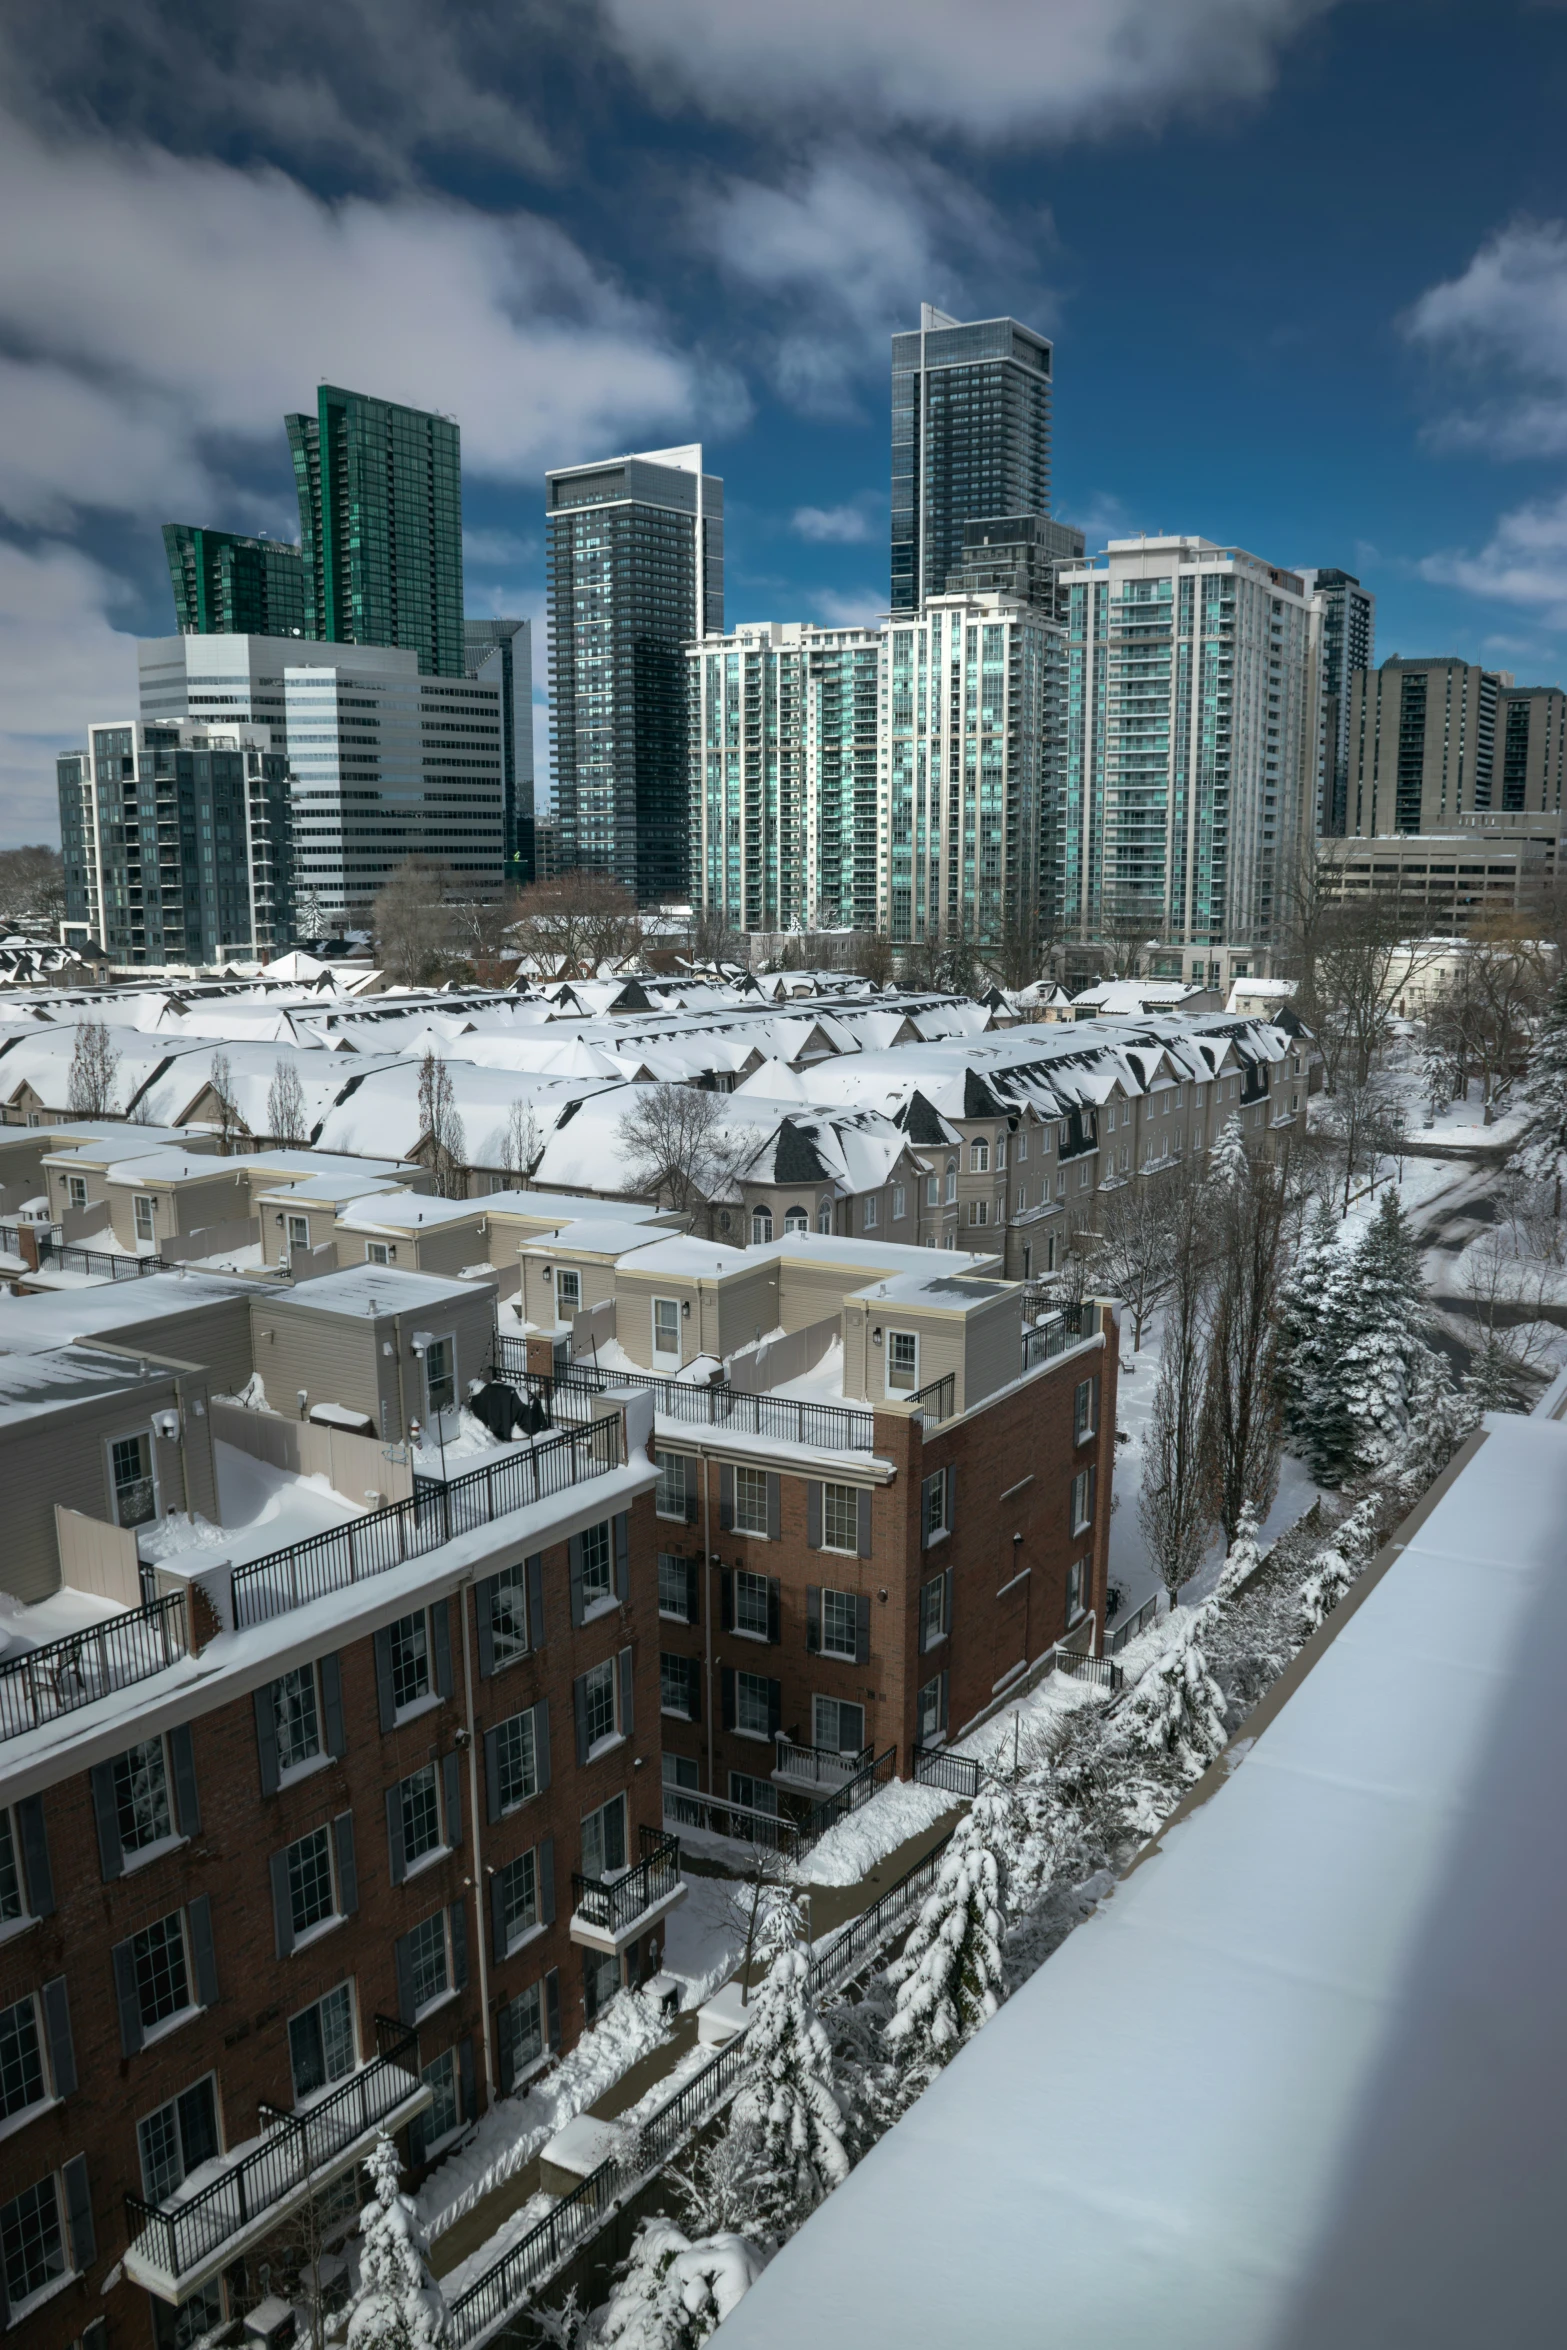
[(179, 2244), (816, 1770), (611, 1912)]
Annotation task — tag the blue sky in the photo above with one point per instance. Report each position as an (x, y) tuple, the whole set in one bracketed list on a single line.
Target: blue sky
[(1305, 263)]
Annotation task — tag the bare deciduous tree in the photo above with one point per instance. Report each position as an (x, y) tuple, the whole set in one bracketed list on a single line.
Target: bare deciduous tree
[(678, 1146), (520, 1142), (1362, 1123), (286, 1120), (413, 931), (1134, 1245), (1126, 928), (1366, 953), (714, 938), (1485, 1018), (1247, 1222), (32, 887), (221, 1079), (95, 1067), (442, 1127), (567, 928), (1020, 957), (1174, 1507)]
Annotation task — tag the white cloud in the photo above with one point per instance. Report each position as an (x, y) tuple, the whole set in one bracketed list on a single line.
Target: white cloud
[(1524, 563), (64, 664), (994, 69), (1505, 318), (850, 525), (854, 608), (159, 306)]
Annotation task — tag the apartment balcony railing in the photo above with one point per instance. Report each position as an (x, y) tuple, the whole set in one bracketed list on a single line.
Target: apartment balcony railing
[(434, 1514), (614, 1909), (830, 1427), (46, 1682), (294, 2155), (936, 1399), (815, 1767)]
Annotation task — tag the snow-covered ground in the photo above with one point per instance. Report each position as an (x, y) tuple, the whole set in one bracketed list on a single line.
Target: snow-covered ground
[(704, 1937), (852, 1847), (262, 1508)]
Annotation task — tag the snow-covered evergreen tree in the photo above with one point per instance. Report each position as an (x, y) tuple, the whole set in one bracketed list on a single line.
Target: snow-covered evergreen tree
[(789, 2096), (1544, 1093), (1308, 1314), (950, 1978), (674, 2294), (1380, 1363), (1226, 1165), (1177, 1709), (1243, 1557), (399, 2305)]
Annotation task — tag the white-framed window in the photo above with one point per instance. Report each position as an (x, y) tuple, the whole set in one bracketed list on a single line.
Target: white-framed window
[(32, 2244), (932, 1704), (753, 1705), (952, 1180), (676, 1587), (440, 1375), (131, 1479), (323, 2045), (442, 2117), (177, 2139), (380, 1252), (796, 1220), (509, 1614), (1083, 1414), (568, 1293), (903, 1362), (146, 1217), (675, 1484), (900, 1203), (312, 1889), (161, 1971), (933, 1191), (872, 1211), (933, 1611), (24, 2069), (604, 1839), (677, 1686), (1001, 1152), (516, 1759), (597, 1545), (1076, 1586), (142, 1803), (761, 1226), (1085, 1174), (979, 1158), (979, 1211), (756, 1795), (429, 1959), (684, 1772), (824, 1218), (409, 1641), (752, 1604), (299, 1231), (837, 1725), (841, 1518), (418, 1800), (666, 1329), (76, 1191), (1082, 1501), (840, 1625), (750, 1511), (1126, 1152), (521, 2022), (935, 1506), (1022, 1144), (517, 1898), (598, 1705)]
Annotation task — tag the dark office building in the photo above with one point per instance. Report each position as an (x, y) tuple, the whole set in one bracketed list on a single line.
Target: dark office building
[(635, 563), (380, 517), (225, 585), (970, 437), (177, 841), (1348, 643), (1020, 555), (500, 653)]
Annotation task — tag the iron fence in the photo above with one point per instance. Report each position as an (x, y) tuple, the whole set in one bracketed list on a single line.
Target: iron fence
[(936, 1399), (816, 1766), (849, 1797), (1124, 1634), (831, 1427), (957, 1774), (743, 1823), (432, 1515), (294, 2147), (64, 1674), (1097, 1670), (615, 1906), (848, 1951)]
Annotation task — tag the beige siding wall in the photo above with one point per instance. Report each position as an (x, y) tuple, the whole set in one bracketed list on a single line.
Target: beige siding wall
[(747, 1307), (634, 1319), (338, 1358), (63, 1457), (216, 1335), (993, 1354), (448, 1247), (941, 1338)]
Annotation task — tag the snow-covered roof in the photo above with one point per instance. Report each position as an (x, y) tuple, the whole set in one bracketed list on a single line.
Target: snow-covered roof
[(368, 1292), (30, 1324), (67, 1375), (946, 1293), (680, 1258), (600, 1236), (1300, 2079), (570, 1207), (408, 1211)]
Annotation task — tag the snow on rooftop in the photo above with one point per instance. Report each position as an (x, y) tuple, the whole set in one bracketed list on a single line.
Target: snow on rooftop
[(371, 1291), (951, 1293), (602, 1235), (52, 1376), (28, 1325), (682, 1257), (407, 1211), (1299, 2081)]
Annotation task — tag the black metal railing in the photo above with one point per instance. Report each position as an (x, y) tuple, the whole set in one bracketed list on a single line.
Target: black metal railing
[(743, 1823), (1124, 1634), (936, 1399), (847, 1952), (102, 1264), (613, 1906), (831, 1427), (816, 1766), (178, 2235), (434, 1514), (957, 1774), (1098, 1671), (64, 1674), (1078, 1321), (849, 1796)]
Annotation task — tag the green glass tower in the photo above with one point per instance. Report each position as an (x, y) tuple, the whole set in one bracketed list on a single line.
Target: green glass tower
[(226, 585), (380, 518)]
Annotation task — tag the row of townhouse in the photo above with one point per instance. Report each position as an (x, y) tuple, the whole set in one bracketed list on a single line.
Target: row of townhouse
[(360, 1828)]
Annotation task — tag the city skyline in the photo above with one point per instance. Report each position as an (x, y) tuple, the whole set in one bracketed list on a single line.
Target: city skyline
[(1359, 367)]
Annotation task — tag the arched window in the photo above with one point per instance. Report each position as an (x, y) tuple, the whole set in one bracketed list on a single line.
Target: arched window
[(952, 1179), (761, 1225), (824, 1217), (797, 1220), (724, 1220)]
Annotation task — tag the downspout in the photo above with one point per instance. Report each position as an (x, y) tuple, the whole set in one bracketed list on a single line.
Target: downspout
[(402, 1409), (478, 1857), (707, 1614)]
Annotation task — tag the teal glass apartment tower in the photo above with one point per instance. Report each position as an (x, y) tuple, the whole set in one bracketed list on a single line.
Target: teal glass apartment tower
[(635, 569), (1349, 635), (500, 652), (970, 437), (226, 585), (380, 517)]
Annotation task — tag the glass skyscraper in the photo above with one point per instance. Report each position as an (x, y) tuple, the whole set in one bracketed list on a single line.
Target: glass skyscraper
[(1349, 635), (500, 652), (970, 437), (226, 585), (635, 564)]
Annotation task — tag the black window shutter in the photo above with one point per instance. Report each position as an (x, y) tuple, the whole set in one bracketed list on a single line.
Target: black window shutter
[(403, 1961), (574, 1572), (774, 1708), (282, 1907), (774, 1505), (78, 2211), (505, 2045), (498, 1923), (813, 1513), (331, 1672), (545, 1886), (726, 1496), (946, 1602), (726, 1598), (1093, 1403), (541, 1741), (198, 1922), (774, 1608), (125, 1994), (57, 2025), (1093, 1479), (579, 1700), (441, 1626), (347, 1865), (35, 1856), (694, 1688), (864, 1528), (552, 2007), (470, 2094), (182, 1758), (813, 1619), (383, 1676), (536, 1600), (111, 1858), (862, 1628), (484, 1612), (692, 1506), (625, 1693), (944, 1699), (266, 1738), (622, 1524), (492, 1776), (726, 1696), (950, 1498), (451, 1774), (394, 1834), (693, 1593), (459, 1918)]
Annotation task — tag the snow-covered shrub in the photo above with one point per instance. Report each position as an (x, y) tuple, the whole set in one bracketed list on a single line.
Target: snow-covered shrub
[(788, 2098), (399, 2305), (1176, 1712), (675, 2293), (1242, 1559), (950, 1978)]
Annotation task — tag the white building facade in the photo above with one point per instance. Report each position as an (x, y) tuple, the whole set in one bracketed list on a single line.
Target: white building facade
[(1192, 720)]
